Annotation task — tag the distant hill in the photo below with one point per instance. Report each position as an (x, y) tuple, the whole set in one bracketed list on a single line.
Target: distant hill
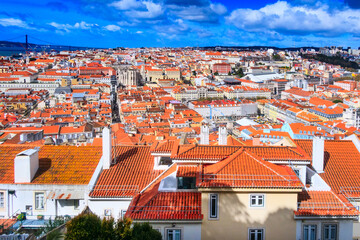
[(20, 46), (250, 48)]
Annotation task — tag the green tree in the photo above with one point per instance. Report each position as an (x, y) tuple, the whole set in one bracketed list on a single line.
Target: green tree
[(107, 229), (89, 226), (357, 77), (123, 229), (143, 231), (54, 235), (239, 73), (216, 73), (276, 57), (83, 227)]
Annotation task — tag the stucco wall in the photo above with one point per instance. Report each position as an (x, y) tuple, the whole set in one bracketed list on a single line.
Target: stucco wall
[(189, 231), (236, 216), (115, 206), (345, 228)]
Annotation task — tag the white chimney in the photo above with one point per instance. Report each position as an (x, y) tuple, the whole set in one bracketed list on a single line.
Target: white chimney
[(204, 134), (222, 136), (318, 154), (106, 148), (26, 164)]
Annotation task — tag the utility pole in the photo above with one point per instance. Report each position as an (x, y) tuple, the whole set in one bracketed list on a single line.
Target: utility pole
[(26, 43), (27, 49)]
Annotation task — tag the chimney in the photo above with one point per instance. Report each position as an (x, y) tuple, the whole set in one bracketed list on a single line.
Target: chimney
[(318, 154), (222, 135), (106, 147), (204, 134), (26, 164)]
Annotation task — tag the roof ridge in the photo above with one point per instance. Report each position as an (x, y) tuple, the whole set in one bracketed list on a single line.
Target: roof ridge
[(229, 159)]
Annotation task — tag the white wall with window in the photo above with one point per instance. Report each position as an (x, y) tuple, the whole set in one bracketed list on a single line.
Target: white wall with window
[(37, 199), (323, 229), (257, 200), (178, 230), (113, 207)]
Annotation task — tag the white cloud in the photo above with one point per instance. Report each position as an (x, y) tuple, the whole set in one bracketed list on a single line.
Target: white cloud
[(153, 10), (139, 32), (125, 4), (13, 22), (59, 26), (285, 18), (68, 27), (84, 25), (112, 28), (218, 8)]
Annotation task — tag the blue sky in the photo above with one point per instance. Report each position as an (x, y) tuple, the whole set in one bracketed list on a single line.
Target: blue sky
[(180, 23)]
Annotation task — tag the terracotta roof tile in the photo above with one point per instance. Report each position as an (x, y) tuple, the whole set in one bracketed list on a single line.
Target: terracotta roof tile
[(57, 164), (324, 203), (169, 206), (341, 165), (132, 171), (244, 170)]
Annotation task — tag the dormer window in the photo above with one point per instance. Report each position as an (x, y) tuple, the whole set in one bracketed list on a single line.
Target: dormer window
[(165, 161), (186, 182)]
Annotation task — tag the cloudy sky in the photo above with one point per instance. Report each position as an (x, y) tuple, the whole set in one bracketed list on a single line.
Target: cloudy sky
[(180, 23)]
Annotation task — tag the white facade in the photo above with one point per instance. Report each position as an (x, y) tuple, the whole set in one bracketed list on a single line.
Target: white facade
[(50, 87), (344, 228), (105, 207), (188, 230), (36, 199), (229, 110)]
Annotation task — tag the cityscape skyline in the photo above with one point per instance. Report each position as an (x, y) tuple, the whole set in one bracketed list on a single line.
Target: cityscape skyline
[(174, 23)]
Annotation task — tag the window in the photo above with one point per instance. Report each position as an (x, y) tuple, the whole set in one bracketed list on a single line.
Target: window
[(39, 201), (297, 172), (173, 234), (76, 204), (165, 161), (2, 199), (214, 199), (186, 182), (256, 234), (256, 200), (28, 209), (107, 212), (330, 232), (123, 212), (309, 232)]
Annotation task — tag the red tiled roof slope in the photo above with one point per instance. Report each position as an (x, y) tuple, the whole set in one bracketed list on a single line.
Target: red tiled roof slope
[(324, 203), (244, 170), (169, 206), (341, 165), (57, 164), (132, 172)]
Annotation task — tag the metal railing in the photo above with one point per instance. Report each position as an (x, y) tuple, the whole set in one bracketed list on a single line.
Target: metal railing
[(7, 224), (239, 180), (350, 192)]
